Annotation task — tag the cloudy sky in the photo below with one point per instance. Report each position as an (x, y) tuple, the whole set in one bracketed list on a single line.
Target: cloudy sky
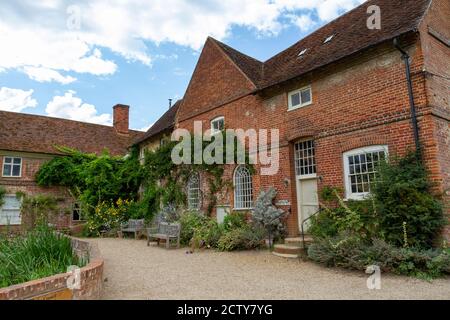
[(76, 59)]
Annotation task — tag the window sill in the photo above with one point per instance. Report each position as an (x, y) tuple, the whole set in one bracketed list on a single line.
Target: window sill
[(300, 106)]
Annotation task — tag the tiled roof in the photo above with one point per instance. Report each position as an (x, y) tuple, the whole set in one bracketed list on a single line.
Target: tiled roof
[(39, 134), (351, 35), (166, 122), (251, 67)]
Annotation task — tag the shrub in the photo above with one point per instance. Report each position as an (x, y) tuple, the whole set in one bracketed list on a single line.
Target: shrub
[(268, 216), (353, 253), (107, 216), (235, 220), (208, 234), (403, 195), (40, 254), (245, 238), (190, 221), (2, 195)]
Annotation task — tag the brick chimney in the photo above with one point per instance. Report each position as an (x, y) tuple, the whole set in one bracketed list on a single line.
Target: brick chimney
[(121, 118)]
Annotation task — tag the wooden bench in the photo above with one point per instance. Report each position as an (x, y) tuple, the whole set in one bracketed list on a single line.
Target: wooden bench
[(132, 226), (164, 231)]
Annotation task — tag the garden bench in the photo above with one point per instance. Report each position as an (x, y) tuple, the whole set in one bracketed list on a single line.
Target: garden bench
[(132, 226), (164, 231)]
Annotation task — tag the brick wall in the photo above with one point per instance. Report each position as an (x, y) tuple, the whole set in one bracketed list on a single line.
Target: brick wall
[(26, 184), (360, 101)]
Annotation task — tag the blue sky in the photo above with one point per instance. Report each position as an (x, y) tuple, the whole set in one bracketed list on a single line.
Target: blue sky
[(76, 59)]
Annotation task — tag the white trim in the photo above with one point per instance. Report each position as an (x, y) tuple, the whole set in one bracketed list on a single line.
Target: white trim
[(234, 189), (213, 131), (12, 165), (301, 105), (348, 188)]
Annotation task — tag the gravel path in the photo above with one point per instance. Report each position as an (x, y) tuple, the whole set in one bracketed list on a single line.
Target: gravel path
[(135, 271)]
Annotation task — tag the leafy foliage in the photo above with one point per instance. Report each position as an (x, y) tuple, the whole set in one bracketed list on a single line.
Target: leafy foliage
[(244, 238), (403, 194), (354, 253), (41, 253), (2, 195), (38, 209), (267, 216)]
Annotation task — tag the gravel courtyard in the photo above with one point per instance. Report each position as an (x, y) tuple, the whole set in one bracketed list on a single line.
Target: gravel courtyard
[(135, 271)]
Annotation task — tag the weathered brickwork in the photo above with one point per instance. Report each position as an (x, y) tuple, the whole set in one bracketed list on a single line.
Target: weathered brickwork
[(360, 101)]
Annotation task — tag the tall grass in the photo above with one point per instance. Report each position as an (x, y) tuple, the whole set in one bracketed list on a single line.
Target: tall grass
[(41, 253)]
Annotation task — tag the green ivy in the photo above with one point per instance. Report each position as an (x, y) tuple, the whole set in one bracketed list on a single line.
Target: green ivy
[(2, 195)]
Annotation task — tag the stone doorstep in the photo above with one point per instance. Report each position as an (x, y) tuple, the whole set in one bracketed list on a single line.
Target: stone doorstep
[(298, 240)]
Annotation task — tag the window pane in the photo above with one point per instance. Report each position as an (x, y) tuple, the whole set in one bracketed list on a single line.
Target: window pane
[(295, 99), (8, 160), (7, 170), (305, 162), (16, 171), (306, 96), (17, 160)]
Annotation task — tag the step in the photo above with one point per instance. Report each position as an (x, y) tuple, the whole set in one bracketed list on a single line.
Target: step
[(298, 240), (284, 255), (288, 249)]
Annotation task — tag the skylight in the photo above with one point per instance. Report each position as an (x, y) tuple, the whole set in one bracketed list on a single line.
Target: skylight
[(302, 52), (329, 39)]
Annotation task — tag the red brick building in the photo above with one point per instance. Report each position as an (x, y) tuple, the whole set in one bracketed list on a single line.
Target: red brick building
[(28, 141), (340, 100)]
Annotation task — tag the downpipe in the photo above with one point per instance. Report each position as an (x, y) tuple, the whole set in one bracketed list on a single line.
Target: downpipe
[(406, 58)]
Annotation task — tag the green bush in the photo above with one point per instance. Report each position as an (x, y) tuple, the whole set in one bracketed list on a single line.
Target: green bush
[(235, 220), (2, 195), (354, 253), (40, 254), (245, 238), (208, 234), (190, 221), (402, 195)]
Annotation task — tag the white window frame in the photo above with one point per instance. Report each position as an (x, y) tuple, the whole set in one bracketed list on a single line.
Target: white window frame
[(2, 210), (348, 187), (301, 105), (197, 189), (12, 165), (214, 131), (309, 158), (249, 191)]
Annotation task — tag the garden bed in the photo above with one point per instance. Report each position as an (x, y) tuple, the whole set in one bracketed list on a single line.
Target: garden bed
[(45, 286)]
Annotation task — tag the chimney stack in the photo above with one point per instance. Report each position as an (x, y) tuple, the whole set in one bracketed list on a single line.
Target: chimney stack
[(170, 103), (121, 118)]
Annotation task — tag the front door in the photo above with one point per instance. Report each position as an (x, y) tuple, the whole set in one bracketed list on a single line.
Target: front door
[(307, 198), (306, 180)]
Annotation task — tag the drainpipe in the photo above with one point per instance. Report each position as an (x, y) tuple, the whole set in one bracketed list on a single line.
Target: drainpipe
[(405, 57)]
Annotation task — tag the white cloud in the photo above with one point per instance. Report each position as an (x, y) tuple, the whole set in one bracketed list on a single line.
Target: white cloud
[(16, 100), (71, 107), (36, 33), (47, 75), (304, 22)]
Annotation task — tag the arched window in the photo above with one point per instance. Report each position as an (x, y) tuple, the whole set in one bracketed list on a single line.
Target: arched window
[(193, 191), (243, 188)]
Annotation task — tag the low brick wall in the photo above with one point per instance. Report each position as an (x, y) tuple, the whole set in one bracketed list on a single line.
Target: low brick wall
[(55, 287)]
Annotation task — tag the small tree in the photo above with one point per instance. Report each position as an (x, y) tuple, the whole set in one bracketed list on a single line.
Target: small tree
[(267, 215)]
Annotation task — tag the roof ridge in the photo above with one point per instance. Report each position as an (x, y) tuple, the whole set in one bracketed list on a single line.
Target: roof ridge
[(61, 119), (234, 49)]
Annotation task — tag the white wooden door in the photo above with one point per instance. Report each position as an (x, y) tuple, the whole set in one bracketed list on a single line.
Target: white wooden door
[(307, 198)]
